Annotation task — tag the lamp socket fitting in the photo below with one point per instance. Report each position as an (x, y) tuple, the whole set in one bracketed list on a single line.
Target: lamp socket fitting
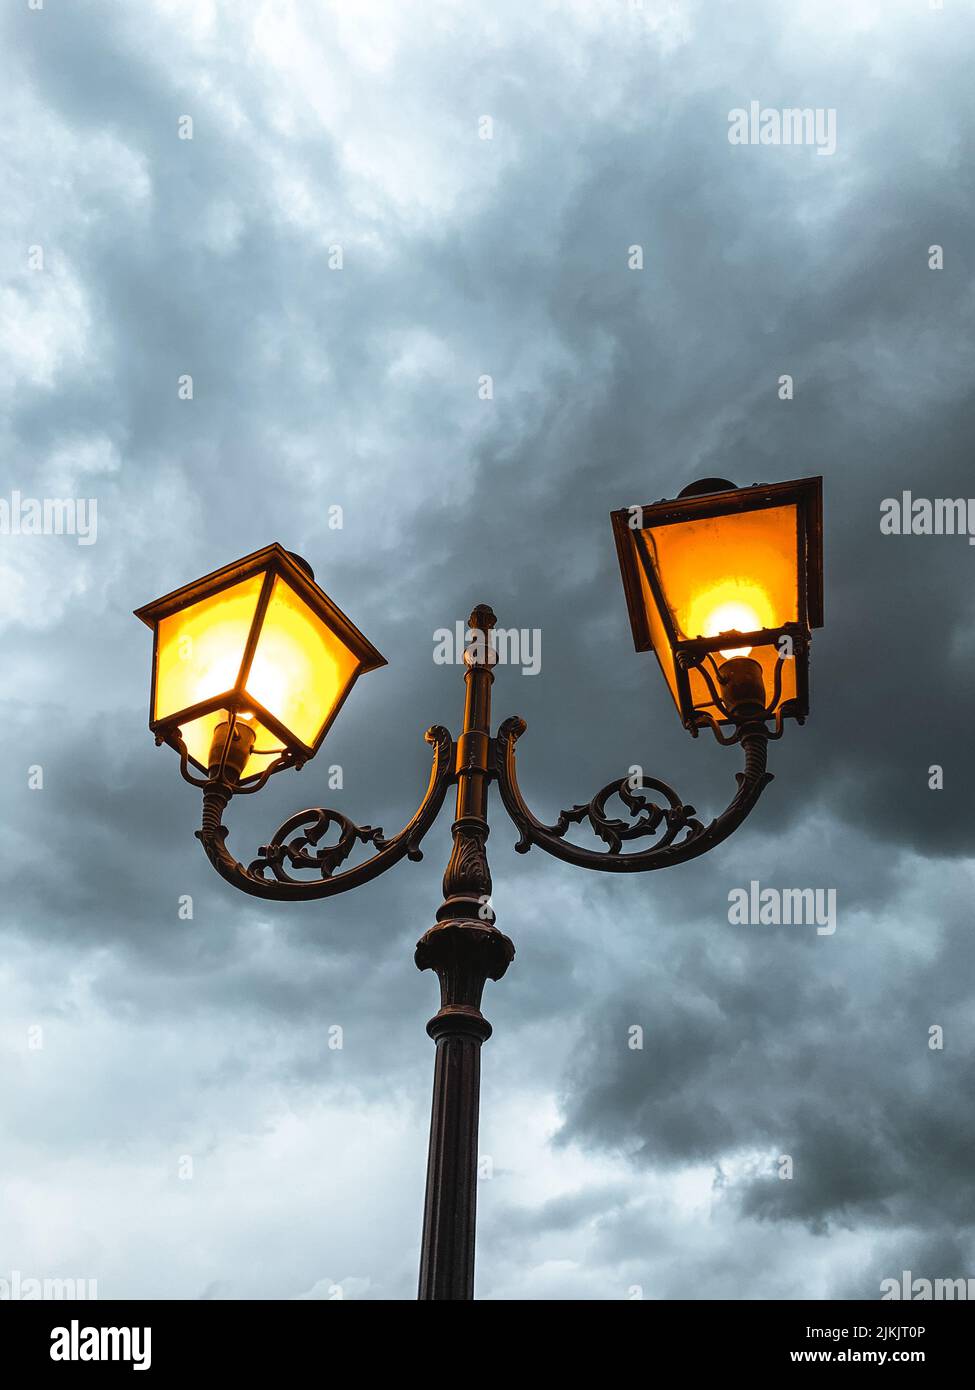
[(241, 743)]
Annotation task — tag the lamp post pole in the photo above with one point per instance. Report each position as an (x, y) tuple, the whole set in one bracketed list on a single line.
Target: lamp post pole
[(465, 948), (736, 698)]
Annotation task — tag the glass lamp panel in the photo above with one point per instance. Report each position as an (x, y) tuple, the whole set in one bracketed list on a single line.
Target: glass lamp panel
[(658, 636), (200, 648), (301, 669), (198, 737), (736, 572)]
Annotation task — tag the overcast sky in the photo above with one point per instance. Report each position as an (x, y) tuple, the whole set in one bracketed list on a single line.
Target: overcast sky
[(360, 125)]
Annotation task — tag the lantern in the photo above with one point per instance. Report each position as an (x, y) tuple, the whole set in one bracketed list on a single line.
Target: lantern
[(256, 651), (725, 584)]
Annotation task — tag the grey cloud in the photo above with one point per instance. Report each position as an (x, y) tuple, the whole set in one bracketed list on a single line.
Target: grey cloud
[(612, 387)]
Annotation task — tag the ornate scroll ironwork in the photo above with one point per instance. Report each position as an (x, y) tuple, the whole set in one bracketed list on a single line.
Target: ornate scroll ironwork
[(681, 835), (318, 820), (300, 852)]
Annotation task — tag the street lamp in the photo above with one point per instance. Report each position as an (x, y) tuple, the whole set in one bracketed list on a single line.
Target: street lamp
[(252, 663), (717, 560)]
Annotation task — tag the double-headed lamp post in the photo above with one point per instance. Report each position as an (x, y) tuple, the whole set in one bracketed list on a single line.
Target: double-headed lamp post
[(252, 664)]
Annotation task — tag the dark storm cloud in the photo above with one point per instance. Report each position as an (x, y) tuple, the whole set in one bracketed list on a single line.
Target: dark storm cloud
[(848, 1085), (612, 387)]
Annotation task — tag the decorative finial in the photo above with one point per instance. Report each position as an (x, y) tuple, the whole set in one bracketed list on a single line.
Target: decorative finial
[(483, 618)]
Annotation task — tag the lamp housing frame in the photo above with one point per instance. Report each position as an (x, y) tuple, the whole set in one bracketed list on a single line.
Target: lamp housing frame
[(806, 494), (275, 562)]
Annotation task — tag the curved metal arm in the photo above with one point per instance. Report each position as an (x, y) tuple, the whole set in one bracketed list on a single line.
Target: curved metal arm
[(316, 821), (673, 820)]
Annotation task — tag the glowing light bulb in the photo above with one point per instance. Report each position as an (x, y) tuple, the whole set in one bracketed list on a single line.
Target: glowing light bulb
[(732, 617)]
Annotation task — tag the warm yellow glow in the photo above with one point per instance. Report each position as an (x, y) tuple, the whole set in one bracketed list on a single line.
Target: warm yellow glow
[(658, 637), (268, 649), (732, 573), (198, 737), (201, 648), (299, 672), (731, 606), (301, 669)]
